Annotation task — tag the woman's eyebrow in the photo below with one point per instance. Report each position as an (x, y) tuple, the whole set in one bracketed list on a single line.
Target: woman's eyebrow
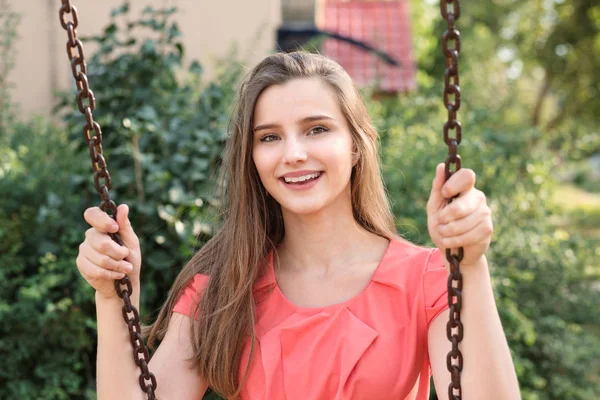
[(312, 118)]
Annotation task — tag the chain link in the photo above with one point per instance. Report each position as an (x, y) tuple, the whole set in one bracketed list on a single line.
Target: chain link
[(450, 10), (86, 103)]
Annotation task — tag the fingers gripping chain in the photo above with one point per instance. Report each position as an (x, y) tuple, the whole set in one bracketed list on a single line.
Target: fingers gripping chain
[(86, 103)]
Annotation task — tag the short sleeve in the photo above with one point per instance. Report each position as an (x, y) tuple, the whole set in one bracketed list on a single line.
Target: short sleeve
[(190, 295), (435, 285)]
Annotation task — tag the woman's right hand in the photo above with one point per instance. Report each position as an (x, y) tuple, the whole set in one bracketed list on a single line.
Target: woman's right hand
[(101, 260)]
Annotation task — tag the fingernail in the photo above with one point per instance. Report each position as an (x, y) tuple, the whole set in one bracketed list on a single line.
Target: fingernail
[(128, 267), (114, 228)]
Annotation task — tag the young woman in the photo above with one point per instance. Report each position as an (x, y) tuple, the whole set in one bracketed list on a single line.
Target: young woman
[(307, 292)]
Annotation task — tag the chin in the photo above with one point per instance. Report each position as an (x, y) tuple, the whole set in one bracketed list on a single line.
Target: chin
[(305, 209)]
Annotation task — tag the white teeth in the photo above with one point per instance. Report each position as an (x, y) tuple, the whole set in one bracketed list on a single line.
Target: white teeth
[(302, 178)]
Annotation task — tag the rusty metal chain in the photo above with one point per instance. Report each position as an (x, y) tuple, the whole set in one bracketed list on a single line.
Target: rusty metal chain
[(450, 10), (93, 136)]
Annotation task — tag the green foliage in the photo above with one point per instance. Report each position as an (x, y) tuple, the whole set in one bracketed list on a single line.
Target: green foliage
[(9, 21), (41, 295), (532, 62), (163, 136)]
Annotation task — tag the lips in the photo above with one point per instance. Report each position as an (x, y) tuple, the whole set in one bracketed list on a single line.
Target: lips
[(297, 174), (307, 184), (303, 178)]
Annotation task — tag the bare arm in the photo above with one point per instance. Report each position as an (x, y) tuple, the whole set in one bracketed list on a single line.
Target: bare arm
[(488, 371), (100, 262), (117, 374)]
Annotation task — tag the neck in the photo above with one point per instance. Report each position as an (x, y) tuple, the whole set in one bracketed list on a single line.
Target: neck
[(328, 240)]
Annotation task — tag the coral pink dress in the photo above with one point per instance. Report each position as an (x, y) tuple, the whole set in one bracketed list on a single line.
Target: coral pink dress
[(373, 346)]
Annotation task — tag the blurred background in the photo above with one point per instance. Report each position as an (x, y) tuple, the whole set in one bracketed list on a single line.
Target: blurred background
[(164, 74)]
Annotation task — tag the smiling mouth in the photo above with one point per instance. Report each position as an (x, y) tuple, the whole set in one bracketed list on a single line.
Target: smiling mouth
[(304, 182)]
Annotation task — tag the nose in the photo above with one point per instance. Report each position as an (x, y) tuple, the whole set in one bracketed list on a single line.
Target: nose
[(294, 150)]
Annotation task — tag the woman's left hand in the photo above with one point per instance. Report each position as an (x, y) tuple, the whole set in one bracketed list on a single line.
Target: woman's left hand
[(466, 222)]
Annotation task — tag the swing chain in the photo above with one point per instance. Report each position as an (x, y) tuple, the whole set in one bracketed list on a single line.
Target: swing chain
[(450, 10), (86, 103)]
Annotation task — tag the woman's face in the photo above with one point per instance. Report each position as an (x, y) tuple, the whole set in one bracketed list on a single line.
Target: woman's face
[(300, 133)]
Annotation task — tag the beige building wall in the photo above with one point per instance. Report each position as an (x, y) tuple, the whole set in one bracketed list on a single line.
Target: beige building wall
[(210, 28), (298, 10)]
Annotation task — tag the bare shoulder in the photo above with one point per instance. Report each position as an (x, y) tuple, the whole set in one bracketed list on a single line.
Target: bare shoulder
[(175, 379)]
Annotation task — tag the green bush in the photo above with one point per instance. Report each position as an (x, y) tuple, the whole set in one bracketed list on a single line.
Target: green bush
[(47, 319), (163, 140)]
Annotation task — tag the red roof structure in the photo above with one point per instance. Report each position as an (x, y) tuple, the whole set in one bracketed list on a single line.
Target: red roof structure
[(384, 25)]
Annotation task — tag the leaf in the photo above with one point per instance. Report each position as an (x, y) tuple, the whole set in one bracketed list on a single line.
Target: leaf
[(147, 112), (173, 31), (120, 10), (179, 48), (110, 30), (195, 68), (148, 47)]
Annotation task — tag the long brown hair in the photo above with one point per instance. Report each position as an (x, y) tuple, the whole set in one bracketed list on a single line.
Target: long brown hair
[(253, 222)]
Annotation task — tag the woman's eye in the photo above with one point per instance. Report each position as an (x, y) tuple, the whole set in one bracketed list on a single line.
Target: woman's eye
[(268, 138), (314, 131), (318, 129)]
